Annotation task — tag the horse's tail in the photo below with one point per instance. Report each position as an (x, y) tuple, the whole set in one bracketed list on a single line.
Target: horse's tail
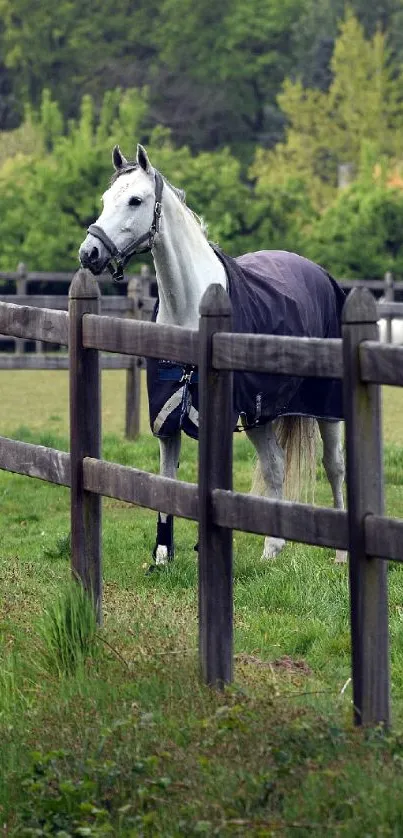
[(298, 437)]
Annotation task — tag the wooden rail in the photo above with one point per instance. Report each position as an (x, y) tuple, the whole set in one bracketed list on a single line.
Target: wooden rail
[(58, 361), (370, 536), (129, 306), (138, 304)]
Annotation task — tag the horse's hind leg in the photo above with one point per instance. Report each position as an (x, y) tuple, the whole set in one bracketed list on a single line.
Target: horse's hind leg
[(271, 465), (169, 457), (333, 461)]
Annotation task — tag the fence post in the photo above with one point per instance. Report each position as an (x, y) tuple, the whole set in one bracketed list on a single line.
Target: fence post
[(85, 437), (368, 580), (215, 471), (389, 295), (21, 289), (133, 374)]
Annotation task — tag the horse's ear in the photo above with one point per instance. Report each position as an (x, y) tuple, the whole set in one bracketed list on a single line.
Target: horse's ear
[(142, 158), (118, 159)]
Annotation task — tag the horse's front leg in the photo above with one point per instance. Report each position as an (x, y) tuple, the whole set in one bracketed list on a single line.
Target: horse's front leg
[(169, 460)]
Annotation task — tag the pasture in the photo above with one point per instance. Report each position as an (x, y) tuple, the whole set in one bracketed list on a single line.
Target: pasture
[(133, 744)]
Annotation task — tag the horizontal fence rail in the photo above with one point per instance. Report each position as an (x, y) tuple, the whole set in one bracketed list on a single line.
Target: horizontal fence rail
[(283, 519), (23, 274), (34, 323), (141, 488), (47, 276), (364, 530), (297, 522), (60, 302), (381, 364), (390, 309), (35, 461), (305, 357), (58, 361), (317, 357), (131, 337), (138, 304), (384, 537)]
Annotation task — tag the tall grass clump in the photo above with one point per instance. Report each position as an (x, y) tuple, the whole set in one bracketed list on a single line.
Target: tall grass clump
[(68, 631), (12, 693)]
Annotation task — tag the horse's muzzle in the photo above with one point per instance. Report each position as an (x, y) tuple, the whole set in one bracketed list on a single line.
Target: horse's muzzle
[(91, 258)]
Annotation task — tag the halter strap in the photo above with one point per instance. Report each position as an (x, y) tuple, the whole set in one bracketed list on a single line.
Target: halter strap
[(100, 234), (120, 258)]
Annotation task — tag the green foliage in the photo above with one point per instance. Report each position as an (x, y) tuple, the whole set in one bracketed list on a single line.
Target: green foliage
[(48, 200), (280, 213), (240, 53), (68, 631), (61, 550), (53, 171), (24, 141), (12, 698), (317, 28), (86, 47), (213, 69), (363, 103), (210, 67), (66, 798), (361, 233)]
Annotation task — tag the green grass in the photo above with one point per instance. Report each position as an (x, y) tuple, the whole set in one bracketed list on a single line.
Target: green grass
[(131, 743)]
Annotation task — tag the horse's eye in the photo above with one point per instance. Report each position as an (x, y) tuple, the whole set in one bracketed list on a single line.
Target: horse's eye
[(134, 202)]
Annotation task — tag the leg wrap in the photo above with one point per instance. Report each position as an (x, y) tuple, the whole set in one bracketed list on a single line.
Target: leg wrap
[(165, 536)]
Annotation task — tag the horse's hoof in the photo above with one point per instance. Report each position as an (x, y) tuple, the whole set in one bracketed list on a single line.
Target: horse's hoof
[(341, 557), (272, 547), (162, 556), (153, 567), (196, 547)]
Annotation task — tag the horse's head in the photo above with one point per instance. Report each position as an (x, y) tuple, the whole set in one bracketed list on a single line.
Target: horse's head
[(130, 216)]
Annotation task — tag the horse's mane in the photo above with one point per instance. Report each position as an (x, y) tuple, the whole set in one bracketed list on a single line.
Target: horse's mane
[(180, 193)]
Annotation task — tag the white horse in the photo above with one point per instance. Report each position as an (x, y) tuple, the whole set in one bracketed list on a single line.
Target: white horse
[(396, 332), (142, 211)]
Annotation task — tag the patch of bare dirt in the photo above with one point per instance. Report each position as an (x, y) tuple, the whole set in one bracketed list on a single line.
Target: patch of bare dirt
[(285, 664)]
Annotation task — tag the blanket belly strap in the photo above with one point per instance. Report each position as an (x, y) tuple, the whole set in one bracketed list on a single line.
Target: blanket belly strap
[(173, 398)]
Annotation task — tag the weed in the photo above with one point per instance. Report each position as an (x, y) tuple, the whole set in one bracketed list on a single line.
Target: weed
[(68, 631), (67, 797), (61, 550)]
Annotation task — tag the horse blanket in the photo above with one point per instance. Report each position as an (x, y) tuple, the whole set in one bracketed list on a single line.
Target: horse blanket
[(272, 292)]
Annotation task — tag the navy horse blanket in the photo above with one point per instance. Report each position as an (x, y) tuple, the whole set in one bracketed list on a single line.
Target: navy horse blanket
[(272, 292)]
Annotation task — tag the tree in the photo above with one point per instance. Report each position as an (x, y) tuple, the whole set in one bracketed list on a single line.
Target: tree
[(51, 195), (364, 101), (317, 29), (50, 198), (241, 49), (84, 47), (324, 129), (361, 233), (213, 69)]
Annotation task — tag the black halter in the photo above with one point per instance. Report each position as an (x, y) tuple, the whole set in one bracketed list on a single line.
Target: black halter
[(120, 258)]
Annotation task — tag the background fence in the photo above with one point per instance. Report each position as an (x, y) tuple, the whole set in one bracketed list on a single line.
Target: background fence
[(364, 530), (136, 301)]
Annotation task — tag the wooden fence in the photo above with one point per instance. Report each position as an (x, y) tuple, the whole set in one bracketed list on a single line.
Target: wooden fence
[(364, 530), (138, 303)]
